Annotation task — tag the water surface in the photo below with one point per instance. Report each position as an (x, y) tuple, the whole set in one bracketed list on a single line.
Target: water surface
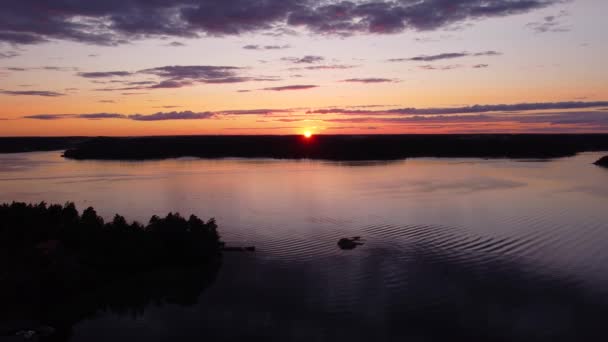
[(462, 248)]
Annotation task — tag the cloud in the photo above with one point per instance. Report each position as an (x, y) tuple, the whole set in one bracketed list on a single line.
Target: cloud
[(168, 107), (47, 68), (106, 101), (176, 76), (348, 18), (552, 23), (43, 93), (445, 67), (555, 117), (480, 66), (8, 54), (186, 115), (104, 74), (266, 47), (324, 67), (447, 55), (304, 60), (202, 73), (97, 116), (291, 87), (370, 80), (176, 44), (118, 22), (254, 111), (47, 116), (466, 109), (160, 116)]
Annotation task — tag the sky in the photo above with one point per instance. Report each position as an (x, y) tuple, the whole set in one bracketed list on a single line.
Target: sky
[(161, 67)]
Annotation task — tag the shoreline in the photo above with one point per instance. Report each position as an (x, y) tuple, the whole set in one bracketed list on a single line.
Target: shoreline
[(340, 147)]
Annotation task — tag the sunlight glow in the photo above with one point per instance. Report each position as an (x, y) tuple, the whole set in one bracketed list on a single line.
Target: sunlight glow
[(307, 134)]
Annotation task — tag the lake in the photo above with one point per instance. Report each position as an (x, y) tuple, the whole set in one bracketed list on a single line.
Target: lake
[(496, 250)]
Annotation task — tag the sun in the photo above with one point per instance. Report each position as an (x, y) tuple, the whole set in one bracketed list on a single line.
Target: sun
[(307, 134)]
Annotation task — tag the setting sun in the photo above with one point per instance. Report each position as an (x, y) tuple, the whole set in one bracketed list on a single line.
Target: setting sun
[(307, 134)]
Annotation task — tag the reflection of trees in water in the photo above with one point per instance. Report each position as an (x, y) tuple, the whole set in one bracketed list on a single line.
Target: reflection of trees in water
[(132, 296)]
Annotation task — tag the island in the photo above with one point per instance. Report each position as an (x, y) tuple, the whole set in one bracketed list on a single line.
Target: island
[(603, 162), (341, 147)]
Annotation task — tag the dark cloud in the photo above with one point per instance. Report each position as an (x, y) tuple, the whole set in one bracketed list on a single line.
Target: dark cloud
[(552, 23), (480, 66), (557, 122), (461, 119), (266, 47), (47, 116), (447, 55), (467, 109), (325, 67), (291, 87), (98, 116), (304, 60), (160, 116), (94, 116), (254, 111), (8, 54), (114, 22), (43, 93), (104, 74), (487, 53), (444, 67), (347, 18), (186, 115), (176, 44), (370, 80), (139, 83), (196, 73), (176, 76), (168, 107), (47, 68)]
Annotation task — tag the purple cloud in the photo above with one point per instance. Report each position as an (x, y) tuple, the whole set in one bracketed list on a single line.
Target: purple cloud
[(42, 93), (441, 56), (118, 22), (370, 80), (104, 74), (291, 87), (304, 60), (266, 47)]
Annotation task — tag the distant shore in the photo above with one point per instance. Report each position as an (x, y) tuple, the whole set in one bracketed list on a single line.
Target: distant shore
[(340, 147), (322, 147), (37, 144)]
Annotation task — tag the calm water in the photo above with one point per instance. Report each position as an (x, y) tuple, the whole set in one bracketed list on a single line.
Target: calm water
[(496, 250)]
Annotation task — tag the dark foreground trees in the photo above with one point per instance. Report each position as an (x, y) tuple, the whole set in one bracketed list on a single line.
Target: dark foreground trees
[(116, 246), (50, 254)]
